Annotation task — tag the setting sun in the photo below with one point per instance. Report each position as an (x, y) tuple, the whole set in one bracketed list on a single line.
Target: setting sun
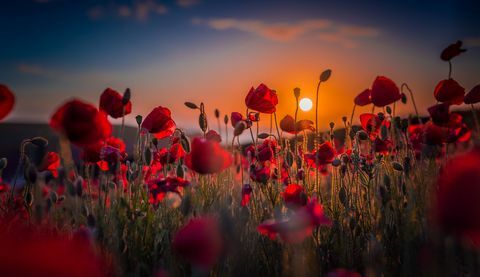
[(305, 104)]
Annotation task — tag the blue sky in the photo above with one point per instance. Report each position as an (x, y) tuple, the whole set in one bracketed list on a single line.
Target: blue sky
[(169, 52)]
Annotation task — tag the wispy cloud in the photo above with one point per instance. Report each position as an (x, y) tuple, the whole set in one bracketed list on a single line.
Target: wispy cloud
[(34, 70), (325, 30), (187, 3), (472, 42), (140, 10)]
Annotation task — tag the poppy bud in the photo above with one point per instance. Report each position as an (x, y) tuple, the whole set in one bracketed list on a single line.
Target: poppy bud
[(344, 119), (202, 122), (191, 105), (404, 124), (39, 141), (126, 96), (139, 119), (325, 75), (389, 110), (296, 92), (225, 119), (217, 113), (263, 135), (185, 143), (404, 98), (180, 171), (301, 174), (239, 128), (299, 161), (397, 166), (3, 163), (332, 125)]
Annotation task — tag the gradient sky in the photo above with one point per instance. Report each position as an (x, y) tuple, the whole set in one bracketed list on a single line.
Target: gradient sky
[(169, 52)]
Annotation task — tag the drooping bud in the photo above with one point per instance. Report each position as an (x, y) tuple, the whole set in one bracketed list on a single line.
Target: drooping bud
[(239, 128), (191, 105), (296, 92), (126, 96), (325, 75), (39, 141)]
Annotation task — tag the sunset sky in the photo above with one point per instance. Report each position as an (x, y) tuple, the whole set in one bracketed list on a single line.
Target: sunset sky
[(169, 52)]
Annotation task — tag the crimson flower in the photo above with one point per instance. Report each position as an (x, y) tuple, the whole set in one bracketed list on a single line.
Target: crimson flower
[(324, 155), (158, 188), (51, 162), (384, 92), (213, 135), (473, 96), (364, 98), (199, 241), (265, 151), (207, 157), (159, 122), (112, 103), (246, 194), (262, 99), (440, 113), (456, 209), (294, 196), (287, 124), (452, 51), (372, 123), (382, 146), (110, 150), (172, 155), (81, 123), (449, 91), (7, 101), (260, 173)]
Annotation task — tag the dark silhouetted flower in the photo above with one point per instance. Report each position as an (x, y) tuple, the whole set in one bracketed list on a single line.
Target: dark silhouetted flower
[(262, 99), (159, 122), (449, 91), (7, 101), (384, 92), (440, 113), (473, 96), (207, 157), (112, 103), (364, 98), (452, 51), (287, 124), (199, 241), (81, 123)]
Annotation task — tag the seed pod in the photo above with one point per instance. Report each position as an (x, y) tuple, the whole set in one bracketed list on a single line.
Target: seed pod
[(336, 162), (296, 92), (3, 163), (139, 119), (397, 166), (344, 119), (239, 128), (202, 122), (217, 113), (404, 98), (263, 135), (180, 171), (191, 105), (39, 141), (332, 125), (325, 75), (185, 143), (126, 96), (148, 156), (384, 132), (225, 119)]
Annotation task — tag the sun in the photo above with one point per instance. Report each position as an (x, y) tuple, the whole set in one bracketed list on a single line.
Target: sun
[(305, 104)]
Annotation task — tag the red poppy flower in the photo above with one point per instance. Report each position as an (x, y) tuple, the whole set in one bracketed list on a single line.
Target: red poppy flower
[(459, 134), (473, 96), (172, 155), (213, 135), (452, 51), (260, 173), (27, 252), (246, 194), (384, 92), (324, 155), (364, 98), (265, 151), (449, 91), (7, 101), (159, 122), (382, 146), (207, 157), (199, 241), (294, 196), (81, 123), (112, 103), (158, 188), (287, 124), (434, 134), (262, 99), (51, 162), (440, 113), (110, 150), (457, 211), (372, 123)]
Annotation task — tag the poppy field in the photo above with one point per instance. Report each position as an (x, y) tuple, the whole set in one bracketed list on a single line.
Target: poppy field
[(394, 196)]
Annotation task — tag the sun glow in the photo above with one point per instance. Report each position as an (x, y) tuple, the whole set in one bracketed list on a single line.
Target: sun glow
[(305, 104)]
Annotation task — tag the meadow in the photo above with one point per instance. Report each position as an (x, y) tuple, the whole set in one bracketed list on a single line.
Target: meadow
[(396, 196)]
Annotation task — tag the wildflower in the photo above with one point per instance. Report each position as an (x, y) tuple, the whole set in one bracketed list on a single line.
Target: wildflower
[(199, 241), (50, 162), (384, 92), (159, 122), (265, 151), (287, 124), (159, 188), (449, 91), (456, 209), (172, 155), (112, 103), (324, 155), (236, 117), (372, 123), (262, 99), (212, 135), (364, 98), (452, 51), (382, 146), (294, 196), (81, 123), (111, 150), (7, 101), (473, 96), (207, 157), (260, 173)]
